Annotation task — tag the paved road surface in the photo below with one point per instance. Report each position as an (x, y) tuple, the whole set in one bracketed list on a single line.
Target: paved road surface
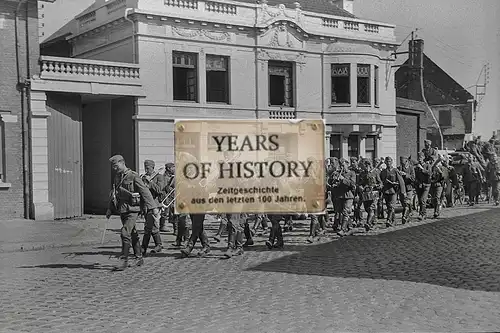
[(440, 276)]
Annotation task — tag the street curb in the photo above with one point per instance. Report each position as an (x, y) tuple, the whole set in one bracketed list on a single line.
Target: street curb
[(31, 248)]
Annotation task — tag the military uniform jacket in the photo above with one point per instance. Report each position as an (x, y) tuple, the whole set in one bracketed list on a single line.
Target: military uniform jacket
[(387, 176), (344, 189), (423, 175), (125, 185), (430, 154), (156, 187), (493, 171), (409, 177)]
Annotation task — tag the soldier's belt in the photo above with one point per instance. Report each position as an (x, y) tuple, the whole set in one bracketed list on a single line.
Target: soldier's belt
[(369, 195)]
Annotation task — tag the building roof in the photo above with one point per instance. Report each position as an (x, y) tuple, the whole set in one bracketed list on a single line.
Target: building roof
[(410, 105), (445, 90), (315, 6)]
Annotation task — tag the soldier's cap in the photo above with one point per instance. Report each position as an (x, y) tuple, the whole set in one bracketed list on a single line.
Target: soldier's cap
[(117, 158), (388, 158), (428, 141), (169, 165), (149, 163)]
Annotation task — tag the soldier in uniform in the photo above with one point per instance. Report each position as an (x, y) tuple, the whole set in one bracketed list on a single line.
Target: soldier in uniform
[(423, 184), (156, 184), (128, 191), (379, 166), (493, 172), (168, 189), (436, 190), (392, 184), (369, 183), (343, 187), (235, 228), (407, 172), (276, 235), (473, 178), (197, 233), (430, 154)]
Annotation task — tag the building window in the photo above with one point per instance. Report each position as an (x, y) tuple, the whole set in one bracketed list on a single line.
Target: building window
[(335, 146), (371, 147), (375, 84), (353, 146), (280, 83), (217, 79), (445, 118), (363, 84), (341, 84), (185, 76)]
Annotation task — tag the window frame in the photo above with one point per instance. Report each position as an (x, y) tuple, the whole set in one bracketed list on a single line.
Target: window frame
[(376, 82), (332, 150), (289, 102), (450, 117), (227, 71), (367, 79), (349, 150), (332, 85), (374, 150), (196, 76)]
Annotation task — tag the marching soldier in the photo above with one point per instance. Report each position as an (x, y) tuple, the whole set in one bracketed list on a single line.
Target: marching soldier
[(379, 166), (407, 172), (423, 184), (430, 154), (156, 184), (436, 190), (198, 232), (494, 177), (392, 185), (128, 191), (275, 240), (235, 228), (369, 185), (450, 183), (343, 187), (473, 178)]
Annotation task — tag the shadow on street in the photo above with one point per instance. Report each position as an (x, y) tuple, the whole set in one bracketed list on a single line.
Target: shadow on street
[(460, 252)]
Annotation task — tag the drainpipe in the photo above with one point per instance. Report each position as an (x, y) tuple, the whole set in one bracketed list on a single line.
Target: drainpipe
[(22, 88), (133, 33)]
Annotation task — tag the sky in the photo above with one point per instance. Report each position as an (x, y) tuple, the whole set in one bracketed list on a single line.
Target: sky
[(460, 36)]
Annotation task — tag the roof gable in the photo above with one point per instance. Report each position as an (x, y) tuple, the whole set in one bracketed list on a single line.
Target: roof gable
[(440, 87)]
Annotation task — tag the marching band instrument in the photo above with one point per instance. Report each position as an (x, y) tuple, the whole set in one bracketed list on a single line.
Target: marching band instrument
[(153, 175)]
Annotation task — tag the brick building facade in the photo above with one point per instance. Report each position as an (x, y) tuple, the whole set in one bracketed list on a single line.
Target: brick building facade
[(20, 54)]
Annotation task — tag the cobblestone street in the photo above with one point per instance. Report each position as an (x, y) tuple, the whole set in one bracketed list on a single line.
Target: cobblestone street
[(436, 276)]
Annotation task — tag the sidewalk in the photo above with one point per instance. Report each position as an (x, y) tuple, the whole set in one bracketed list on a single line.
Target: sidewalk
[(29, 235)]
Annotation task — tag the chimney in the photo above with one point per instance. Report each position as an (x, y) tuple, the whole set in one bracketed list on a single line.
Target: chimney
[(347, 5), (416, 68)]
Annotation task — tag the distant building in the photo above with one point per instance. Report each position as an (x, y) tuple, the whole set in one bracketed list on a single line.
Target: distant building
[(452, 105)]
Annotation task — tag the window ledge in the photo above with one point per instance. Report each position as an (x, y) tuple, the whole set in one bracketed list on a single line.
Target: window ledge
[(364, 105), (5, 185), (281, 108), (218, 103), (340, 105), (377, 106)]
